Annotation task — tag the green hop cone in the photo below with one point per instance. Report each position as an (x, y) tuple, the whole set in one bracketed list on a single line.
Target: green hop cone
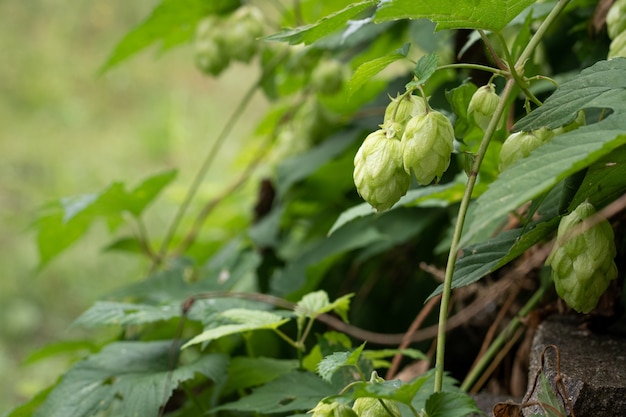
[(333, 409), (373, 407), (241, 32), (378, 172), (210, 54), (582, 262), (616, 19), (402, 108), (427, 144), (483, 105), (328, 77), (520, 144), (618, 46)]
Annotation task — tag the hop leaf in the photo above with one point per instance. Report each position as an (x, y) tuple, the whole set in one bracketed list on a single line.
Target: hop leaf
[(427, 144), (483, 105), (519, 145), (378, 172), (582, 264)]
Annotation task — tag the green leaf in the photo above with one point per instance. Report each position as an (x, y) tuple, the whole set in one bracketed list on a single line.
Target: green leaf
[(126, 314), (547, 395), (73, 347), (331, 363), (295, 391), (28, 409), (377, 356), (245, 372), (65, 221), (299, 167), (246, 320), (418, 196), (480, 259), (171, 22), (316, 303), (146, 192), (450, 404), (135, 375), (491, 15), (326, 26), (600, 86), (424, 68), (369, 69)]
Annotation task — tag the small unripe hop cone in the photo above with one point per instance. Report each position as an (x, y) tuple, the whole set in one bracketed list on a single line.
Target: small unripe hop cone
[(483, 105), (520, 144), (333, 409), (582, 259)]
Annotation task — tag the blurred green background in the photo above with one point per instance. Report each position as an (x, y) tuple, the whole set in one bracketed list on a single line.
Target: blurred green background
[(66, 131)]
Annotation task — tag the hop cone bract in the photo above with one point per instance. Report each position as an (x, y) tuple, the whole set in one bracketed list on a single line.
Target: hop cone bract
[(378, 172), (520, 144), (582, 262), (427, 144), (372, 407), (483, 105), (333, 409)]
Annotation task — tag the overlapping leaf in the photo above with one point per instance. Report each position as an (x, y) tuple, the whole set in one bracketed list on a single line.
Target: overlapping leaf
[(66, 220), (172, 22), (491, 15), (600, 86), (135, 375)]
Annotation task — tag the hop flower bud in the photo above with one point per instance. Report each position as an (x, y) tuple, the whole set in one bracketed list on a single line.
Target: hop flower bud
[(519, 145), (372, 407), (402, 108), (618, 46), (378, 173), (210, 55), (582, 262), (616, 19), (328, 76), (241, 33), (427, 144), (483, 105), (333, 409)]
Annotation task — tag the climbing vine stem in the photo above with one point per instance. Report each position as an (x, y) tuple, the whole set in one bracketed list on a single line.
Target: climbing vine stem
[(471, 181)]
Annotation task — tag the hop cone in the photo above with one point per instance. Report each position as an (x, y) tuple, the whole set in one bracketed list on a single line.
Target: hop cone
[(427, 144), (402, 108), (333, 409), (582, 263), (483, 105), (378, 173), (519, 145), (372, 407)]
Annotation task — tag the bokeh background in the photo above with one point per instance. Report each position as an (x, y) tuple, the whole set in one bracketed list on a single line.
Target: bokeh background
[(64, 130)]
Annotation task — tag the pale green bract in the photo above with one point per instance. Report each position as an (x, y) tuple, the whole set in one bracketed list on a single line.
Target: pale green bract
[(427, 144), (582, 261), (373, 407), (520, 144), (378, 172), (333, 409), (483, 105)]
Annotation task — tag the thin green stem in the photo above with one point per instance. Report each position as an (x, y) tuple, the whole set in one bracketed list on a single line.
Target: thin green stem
[(521, 82), (458, 229), (204, 168), (492, 50), (478, 67), (536, 39), (497, 344)]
